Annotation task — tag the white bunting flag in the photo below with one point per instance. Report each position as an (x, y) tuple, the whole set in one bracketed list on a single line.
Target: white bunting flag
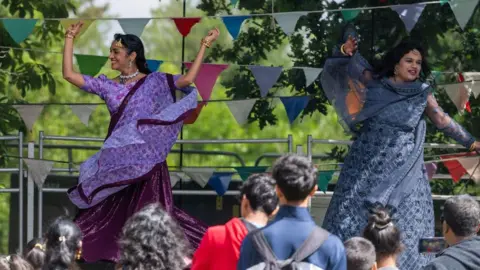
[(175, 178), (463, 10), (472, 81), (472, 166), (409, 14), (459, 94), (288, 21), (29, 114), (83, 112), (200, 175), (133, 26), (38, 170), (241, 109), (311, 74)]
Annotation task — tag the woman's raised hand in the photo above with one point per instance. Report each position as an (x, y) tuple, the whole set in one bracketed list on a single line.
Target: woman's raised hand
[(350, 46), (212, 36), (73, 30)]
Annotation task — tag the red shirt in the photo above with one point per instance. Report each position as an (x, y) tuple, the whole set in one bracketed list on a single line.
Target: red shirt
[(220, 247)]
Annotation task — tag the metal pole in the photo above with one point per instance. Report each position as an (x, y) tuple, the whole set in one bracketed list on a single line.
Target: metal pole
[(309, 146), (30, 195), (20, 191), (290, 143), (40, 189), (183, 71)]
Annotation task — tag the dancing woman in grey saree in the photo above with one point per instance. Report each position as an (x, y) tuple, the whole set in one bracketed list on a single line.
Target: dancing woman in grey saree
[(130, 170), (385, 165)]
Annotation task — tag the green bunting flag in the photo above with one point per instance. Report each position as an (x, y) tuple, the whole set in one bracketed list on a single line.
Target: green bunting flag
[(90, 64), (349, 15), (245, 172), (19, 29), (323, 179)]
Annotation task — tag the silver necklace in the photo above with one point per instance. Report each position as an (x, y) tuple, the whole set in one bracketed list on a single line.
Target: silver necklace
[(124, 78)]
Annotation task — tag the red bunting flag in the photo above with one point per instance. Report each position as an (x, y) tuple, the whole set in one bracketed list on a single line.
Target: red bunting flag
[(194, 114), (454, 166), (184, 25), (206, 78)]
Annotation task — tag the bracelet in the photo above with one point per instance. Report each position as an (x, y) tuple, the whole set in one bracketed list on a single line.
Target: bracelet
[(472, 147), (70, 36), (342, 49), (205, 42)]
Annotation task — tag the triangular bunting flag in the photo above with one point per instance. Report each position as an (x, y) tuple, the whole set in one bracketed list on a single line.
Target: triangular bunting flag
[(233, 2), (409, 14), (443, 2), (90, 64), (234, 24), (294, 105), (459, 94), (133, 26), (184, 25), (19, 29), (454, 167), (472, 166), (38, 170), (431, 169), (175, 178), (220, 182), (323, 179), (265, 77), (241, 109), (83, 112), (192, 117), (245, 172), (153, 65), (206, 78), (199, 175), (311, 74), (349, 15), (67, 22), (29, 114), (288, 21), (463, 10)]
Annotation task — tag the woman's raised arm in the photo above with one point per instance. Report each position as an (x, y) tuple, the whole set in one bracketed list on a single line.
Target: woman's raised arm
[(69, 74)]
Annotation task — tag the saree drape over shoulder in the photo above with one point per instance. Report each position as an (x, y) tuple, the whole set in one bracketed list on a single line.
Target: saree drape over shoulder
[(130, 170)]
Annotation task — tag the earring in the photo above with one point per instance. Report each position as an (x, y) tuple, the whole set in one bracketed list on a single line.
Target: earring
[(395, 71), (130, 64), (78, 256)]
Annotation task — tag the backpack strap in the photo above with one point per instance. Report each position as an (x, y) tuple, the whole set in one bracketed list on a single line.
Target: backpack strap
[(263, 248), (171, 85), (250, 227), (314, 241)]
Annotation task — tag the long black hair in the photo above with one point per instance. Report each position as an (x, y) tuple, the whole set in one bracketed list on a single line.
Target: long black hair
[(62, 242), (135, 44), (387, 66)]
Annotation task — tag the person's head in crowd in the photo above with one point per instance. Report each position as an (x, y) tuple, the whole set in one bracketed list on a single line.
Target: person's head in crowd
[(151, 239), (258, 197), (63, 241), (460, 218), (296, 179), (14, 262), (34, 253), (360, 254), (385, 237)]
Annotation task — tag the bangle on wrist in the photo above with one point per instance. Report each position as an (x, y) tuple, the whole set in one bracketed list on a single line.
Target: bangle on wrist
[(206, 43), (472, 147), (342, 50)]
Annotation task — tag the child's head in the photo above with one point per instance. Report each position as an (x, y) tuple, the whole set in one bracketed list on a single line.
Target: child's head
[(296, 178), (14, 262), (360, 254), (63, 241), (257, 194), (34, 253)]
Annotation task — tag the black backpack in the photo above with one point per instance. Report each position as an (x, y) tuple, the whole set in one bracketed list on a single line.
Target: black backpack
[(295, 262)]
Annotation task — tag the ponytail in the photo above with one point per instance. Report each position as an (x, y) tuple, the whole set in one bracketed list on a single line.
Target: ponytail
[(63, 239)]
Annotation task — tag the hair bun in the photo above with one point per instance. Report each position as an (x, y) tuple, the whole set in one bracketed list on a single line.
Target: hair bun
[(380, 218)]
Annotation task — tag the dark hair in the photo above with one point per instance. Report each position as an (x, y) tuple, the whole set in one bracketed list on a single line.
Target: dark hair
[(62, 239), (383, 234), (259, 189), (14, 262), (34, 253), (387, 66), (135, 44), (151, 239), (360, 254), (295, 176), (462, 215)]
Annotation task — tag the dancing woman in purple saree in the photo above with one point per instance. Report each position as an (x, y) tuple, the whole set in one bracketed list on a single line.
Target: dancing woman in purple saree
[(385, 165), (130, 170)]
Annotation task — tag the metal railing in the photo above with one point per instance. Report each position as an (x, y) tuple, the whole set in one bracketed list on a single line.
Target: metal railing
[(19, 190), (43, 138)]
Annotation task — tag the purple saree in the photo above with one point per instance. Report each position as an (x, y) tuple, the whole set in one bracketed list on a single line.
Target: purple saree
[(130, 170)]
